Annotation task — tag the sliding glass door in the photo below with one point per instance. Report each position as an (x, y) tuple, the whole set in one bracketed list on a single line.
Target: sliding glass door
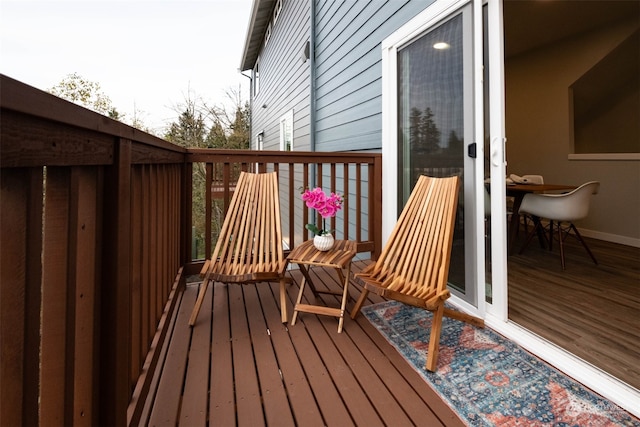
[(431, 120), (434, 95)]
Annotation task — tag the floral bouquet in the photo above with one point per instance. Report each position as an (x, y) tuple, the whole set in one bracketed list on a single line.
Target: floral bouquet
[(327, 207)]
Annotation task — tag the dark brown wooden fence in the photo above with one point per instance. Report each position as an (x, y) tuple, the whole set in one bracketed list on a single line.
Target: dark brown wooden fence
[(96, 239)]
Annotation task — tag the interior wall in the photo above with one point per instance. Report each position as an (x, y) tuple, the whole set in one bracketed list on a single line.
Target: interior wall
[(538, 126)]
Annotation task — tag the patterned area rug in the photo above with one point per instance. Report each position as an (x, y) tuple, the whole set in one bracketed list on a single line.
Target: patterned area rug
[(490, 381)]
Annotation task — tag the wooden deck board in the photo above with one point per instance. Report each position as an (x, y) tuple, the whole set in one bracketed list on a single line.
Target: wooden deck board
[(293, 373), (250, 411), (408, 390), (149, 403), (355, 347), (194, 409), (411, 401), (274, 395), (173, 372), (441, 413), (355, 399), (222, 410)]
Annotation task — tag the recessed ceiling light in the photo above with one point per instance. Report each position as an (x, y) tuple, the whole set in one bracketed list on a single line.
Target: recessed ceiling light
[(441, 46)]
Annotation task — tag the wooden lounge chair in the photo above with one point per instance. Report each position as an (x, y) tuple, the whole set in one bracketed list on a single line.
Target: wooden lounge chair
[(249, 247), (414, 264)]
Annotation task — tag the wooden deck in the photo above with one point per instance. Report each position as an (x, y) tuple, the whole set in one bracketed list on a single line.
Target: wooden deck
[(246, 368)]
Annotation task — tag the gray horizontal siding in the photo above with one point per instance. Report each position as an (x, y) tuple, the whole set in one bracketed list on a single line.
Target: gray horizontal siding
[(348, 69), (284, 78)]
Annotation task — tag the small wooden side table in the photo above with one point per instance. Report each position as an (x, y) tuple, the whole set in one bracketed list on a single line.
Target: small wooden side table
[(339, 258)]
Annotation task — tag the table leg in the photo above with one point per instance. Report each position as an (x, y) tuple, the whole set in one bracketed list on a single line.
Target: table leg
[(542, 238), (305, 273), (295, 306), (515, 220), (345, 295)]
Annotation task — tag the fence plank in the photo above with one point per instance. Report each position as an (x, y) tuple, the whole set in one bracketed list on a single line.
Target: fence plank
[(13, 266), (115, 284), (82, 336), (54, 295), (138, 345)]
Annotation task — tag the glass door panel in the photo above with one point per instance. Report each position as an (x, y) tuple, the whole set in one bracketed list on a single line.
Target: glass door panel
[(435, 125)]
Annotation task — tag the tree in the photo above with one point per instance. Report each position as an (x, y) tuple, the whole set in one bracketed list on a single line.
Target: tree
[(202, 126), (423, 131), (455, 143), (430, 132), (231, 123), (86, 93), (189, 131)]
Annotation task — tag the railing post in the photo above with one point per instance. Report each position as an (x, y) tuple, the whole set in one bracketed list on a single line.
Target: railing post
[(115, 325), (375, 206)]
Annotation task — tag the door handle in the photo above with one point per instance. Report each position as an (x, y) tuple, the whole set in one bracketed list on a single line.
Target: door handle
[(472, 150), (496, 159)]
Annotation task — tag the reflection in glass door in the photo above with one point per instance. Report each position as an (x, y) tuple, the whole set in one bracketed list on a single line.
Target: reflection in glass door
[(435, 124), (486, 162)]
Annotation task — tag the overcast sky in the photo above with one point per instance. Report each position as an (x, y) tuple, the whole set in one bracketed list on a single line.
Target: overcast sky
[(146, 55)]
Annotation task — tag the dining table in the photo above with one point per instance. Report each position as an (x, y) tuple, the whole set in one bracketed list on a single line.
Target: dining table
[(518, 191)]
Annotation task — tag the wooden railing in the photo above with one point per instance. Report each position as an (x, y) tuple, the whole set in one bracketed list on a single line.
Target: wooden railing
[(355, 176), (96, 239)]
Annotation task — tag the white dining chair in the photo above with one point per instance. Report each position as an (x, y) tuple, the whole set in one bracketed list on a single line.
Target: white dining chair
[(561, 210)]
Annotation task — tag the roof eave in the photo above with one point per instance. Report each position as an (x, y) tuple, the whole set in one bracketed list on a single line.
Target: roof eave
[(260, 17)]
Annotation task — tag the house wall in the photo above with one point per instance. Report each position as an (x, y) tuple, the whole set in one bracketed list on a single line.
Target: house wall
[(349, 71), (539, 135), (284, 78)]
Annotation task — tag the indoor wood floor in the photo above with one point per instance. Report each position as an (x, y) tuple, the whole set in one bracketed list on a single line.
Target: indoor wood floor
[(591, 310), (240, 366)]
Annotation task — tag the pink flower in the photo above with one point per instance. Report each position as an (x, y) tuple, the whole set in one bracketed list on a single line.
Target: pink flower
[(331, 206), (327, 206), (315, 198)]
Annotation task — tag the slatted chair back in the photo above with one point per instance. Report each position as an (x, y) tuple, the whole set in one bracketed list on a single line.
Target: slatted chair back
[(415, 260), (414, 264), (249, 246), (250, 242)]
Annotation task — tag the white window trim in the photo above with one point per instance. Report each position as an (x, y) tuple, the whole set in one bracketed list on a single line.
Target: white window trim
[(276, 11), (259, 146), (256, 78), (286, 126), (267, 34)]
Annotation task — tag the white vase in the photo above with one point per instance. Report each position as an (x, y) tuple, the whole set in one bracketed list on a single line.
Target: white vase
[(323, 242)]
